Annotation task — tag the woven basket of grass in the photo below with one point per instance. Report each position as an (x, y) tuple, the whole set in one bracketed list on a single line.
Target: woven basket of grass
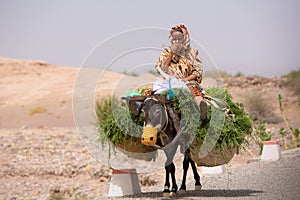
[(133, 148), (215, 157)]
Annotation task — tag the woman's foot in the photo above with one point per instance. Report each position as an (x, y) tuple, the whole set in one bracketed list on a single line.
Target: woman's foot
[(203, 109)]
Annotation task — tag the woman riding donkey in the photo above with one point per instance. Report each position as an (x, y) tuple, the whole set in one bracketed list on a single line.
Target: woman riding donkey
[(183, 62)]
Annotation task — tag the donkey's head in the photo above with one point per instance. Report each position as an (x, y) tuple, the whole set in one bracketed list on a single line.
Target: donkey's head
[(156, 119)]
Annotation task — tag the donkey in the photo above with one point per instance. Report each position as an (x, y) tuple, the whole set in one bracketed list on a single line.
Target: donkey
[(161, 130)]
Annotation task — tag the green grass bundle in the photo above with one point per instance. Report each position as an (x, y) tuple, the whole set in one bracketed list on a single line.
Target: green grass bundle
[(237, 124), (117, 124)]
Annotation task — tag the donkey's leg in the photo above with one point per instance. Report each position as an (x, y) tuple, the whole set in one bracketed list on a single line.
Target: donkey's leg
[(185, 169), (198, 185), (172, 171), (170, 168), (166, 191)]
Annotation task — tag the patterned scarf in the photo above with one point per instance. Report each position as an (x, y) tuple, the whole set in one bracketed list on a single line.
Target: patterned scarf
[(181, 28)]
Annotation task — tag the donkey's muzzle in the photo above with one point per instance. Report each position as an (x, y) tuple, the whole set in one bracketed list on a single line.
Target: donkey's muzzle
[(149, 136)]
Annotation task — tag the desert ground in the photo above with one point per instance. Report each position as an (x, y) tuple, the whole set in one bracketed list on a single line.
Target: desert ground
[(42, 155)]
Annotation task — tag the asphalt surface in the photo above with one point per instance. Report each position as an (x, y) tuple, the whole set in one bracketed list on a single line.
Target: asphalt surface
[(256, 180)]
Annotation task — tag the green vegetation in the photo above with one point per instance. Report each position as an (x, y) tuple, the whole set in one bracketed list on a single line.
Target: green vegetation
[(239, 74), (293, 132), (236, 126), (103, 108), (115, 124), (261, 135), (282, 132)]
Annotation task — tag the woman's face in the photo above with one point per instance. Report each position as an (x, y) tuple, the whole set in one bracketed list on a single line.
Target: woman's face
[(178, 37)]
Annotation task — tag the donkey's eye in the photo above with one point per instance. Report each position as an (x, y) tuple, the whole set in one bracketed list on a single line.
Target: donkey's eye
[(138, 104)]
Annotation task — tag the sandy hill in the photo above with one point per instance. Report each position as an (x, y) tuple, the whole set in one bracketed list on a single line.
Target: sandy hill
[(35, 93)]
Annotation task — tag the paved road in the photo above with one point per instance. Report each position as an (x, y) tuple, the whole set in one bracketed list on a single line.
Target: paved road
[(256, 180)]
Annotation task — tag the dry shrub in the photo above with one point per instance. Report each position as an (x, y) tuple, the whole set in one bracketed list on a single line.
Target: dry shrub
[(147, 180), (38, 110), (261, 108), (293, 80), (58, 193)]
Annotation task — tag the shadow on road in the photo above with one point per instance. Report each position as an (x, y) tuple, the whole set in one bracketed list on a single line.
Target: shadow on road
[(204, 193), (221, 193)]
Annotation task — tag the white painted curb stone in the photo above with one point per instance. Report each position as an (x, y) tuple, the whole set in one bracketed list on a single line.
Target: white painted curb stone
[(124, 182), (271, 151)]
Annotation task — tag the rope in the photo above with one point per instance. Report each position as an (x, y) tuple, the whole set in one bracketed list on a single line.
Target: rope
[(171, 92)]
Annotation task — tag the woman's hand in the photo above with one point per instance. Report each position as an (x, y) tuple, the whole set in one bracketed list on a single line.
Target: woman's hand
[(165, 68), (189, 78), (176, 48)]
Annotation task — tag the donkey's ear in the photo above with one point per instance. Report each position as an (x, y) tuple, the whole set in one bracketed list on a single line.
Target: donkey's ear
[(125, 98), (138, 98), (134, 98), (133, 105)]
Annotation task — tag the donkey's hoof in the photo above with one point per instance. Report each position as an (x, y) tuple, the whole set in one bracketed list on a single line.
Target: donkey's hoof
[(198, 187), (181, 191), (172, 194)]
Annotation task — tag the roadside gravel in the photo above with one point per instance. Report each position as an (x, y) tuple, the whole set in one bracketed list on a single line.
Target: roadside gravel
[(52, 163)]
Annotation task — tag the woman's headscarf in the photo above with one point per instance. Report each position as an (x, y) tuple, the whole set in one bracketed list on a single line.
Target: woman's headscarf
[(181, 28)]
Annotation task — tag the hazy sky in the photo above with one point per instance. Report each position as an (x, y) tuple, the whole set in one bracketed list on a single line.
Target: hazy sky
[(253, 37)]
